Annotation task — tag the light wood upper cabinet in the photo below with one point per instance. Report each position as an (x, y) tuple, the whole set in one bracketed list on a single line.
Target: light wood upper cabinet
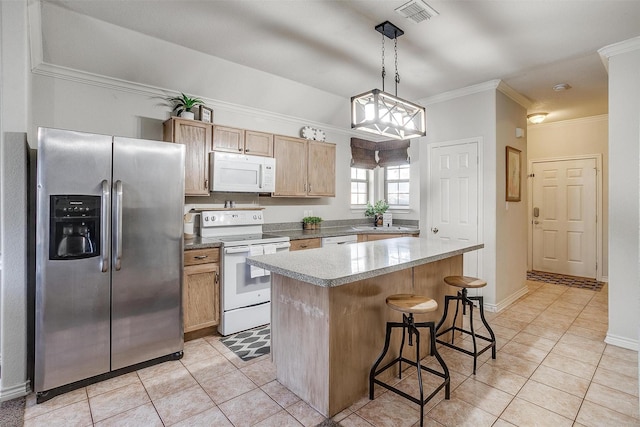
[(201, 289), (304, 168), (258, 143), (291, 166), (321, 169), (196, 136), (242, 141), (228, 139)]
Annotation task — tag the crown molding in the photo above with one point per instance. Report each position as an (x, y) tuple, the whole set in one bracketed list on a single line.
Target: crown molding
[(84, 77), (514, 95), (496, 84), (580, 120), (625, 46)]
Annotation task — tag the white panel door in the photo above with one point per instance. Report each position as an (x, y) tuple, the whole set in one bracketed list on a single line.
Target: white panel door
[(453, 197), (564, 217)]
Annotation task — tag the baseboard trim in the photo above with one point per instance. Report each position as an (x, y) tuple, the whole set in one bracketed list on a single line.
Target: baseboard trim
[(623, 342), (15, 391), (495, 308)]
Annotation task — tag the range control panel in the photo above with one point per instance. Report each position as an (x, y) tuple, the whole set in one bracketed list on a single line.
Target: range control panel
[(230, 218)]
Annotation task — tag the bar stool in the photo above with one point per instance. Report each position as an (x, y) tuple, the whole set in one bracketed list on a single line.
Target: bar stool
[(409, 304), (466, 283)]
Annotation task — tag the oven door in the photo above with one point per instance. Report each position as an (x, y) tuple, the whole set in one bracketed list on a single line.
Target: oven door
[(243, 286)]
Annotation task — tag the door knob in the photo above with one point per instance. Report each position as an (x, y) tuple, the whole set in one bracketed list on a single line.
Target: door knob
[(435, 230)]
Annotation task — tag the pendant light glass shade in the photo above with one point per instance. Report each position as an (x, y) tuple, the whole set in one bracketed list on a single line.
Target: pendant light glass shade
[(385, 114)]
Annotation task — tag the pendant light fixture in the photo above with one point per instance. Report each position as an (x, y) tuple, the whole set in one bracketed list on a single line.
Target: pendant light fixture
[(380, 112)]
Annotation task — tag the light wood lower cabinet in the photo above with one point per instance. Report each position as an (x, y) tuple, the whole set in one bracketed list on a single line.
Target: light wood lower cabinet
[(298, 245), (201, 289), (372, 237)]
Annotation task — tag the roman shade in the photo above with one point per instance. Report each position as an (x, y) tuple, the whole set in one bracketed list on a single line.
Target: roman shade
[(363, 154), (390, 153)]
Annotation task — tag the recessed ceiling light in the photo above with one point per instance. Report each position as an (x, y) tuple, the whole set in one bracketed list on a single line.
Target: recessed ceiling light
[(561, 87)]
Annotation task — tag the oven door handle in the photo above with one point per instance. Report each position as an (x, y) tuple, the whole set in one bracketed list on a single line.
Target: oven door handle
[(243, 249), (236, 250)]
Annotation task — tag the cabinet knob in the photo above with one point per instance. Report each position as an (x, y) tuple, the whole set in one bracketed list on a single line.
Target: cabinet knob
[(240, 149), (206, 184), (216, 278), (246, 150)]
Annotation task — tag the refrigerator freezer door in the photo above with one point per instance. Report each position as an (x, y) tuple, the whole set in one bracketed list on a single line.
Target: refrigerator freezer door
[(72, 296), (148, 197)]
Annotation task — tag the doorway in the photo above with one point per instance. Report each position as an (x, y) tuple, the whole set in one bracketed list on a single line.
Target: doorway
[(455, 194), (565, 202)]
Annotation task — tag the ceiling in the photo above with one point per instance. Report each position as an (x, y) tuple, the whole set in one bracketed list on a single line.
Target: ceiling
[(332, 45)]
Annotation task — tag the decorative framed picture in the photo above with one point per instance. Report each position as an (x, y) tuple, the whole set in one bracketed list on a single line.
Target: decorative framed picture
[(206, 114), (513, 175)]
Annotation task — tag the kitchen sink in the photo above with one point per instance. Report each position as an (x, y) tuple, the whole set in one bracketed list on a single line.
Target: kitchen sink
[(372, 228)]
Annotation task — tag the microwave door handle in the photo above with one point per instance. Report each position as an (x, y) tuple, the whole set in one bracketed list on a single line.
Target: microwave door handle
[(118, 225), (261, 176), (104, 228)]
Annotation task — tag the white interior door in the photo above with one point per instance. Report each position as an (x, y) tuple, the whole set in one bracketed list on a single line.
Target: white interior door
[(564, 217), (454, 197)]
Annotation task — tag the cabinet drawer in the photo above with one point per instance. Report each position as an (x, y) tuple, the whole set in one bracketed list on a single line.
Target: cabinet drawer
[(297, 245), (201, 256)]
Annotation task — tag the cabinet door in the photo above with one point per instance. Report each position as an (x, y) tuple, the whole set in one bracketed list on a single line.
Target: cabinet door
[(228, 139), (291, 166), (258, 143), (322, 169), (201, 296), (300, 244), (196, 136)]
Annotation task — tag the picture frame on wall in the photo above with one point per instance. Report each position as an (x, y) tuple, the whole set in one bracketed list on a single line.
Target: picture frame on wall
[(205, 114), (513, 169)]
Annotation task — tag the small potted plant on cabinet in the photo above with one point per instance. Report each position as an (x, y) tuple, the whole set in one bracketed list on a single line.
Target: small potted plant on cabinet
[(183, 104), (376, 211), (311, 222)]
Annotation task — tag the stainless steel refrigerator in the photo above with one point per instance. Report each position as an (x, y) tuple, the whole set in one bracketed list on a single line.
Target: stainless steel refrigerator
[(109, 227)]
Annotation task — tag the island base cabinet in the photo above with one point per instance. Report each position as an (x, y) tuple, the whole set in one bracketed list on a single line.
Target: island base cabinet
[(339, 332)]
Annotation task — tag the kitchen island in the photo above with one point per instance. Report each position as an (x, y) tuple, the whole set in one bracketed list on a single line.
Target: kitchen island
[(328, 310)]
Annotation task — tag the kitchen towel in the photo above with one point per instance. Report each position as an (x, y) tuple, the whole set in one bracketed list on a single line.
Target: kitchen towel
[(269, 249), (256, 271)]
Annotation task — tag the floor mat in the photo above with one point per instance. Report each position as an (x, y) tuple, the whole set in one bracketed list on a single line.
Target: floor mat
[(249, 344), (559, 279)]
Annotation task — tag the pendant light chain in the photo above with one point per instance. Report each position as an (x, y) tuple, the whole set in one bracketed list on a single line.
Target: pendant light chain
[(396, 57), (384, 71)]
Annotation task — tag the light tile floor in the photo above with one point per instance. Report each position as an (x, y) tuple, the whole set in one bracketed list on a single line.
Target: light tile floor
[(553, 369)]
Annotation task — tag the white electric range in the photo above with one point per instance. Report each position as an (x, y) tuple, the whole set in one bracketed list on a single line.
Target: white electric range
[(245, 300)]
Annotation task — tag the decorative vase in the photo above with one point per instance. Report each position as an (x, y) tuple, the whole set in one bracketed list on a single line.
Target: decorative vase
[(187, 115)]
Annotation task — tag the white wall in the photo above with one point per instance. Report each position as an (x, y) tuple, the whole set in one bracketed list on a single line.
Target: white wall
[(467, 116), (578, 137), (14, 115), (624, 188)]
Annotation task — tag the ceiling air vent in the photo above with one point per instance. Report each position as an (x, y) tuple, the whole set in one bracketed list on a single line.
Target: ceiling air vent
[(417, 11)]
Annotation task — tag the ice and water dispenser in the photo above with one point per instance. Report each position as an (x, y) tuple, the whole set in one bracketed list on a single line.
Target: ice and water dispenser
[(74, 231)]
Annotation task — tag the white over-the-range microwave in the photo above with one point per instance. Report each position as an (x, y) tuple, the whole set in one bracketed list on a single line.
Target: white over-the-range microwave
[(241, 173)]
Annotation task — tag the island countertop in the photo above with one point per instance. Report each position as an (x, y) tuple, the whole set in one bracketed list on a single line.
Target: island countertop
[(339, 265)]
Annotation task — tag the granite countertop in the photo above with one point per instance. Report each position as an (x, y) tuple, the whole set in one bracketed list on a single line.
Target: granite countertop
[(207, 242), (344, 264)]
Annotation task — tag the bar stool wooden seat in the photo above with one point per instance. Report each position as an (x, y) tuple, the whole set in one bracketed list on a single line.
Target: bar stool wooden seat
[(465, 283), (409, 305)]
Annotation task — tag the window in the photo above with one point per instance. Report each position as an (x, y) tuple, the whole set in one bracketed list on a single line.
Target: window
[(396, 185), (359, 186)]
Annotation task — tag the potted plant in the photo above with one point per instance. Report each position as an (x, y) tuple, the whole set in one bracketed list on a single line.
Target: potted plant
[(183, 104), (376, 211), (311, 222)]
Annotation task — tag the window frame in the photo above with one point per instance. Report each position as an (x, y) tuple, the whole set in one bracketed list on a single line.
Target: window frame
[(387, 181)]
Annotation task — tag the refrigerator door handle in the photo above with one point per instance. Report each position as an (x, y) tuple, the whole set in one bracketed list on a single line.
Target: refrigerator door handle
[(104, 212), (118, 225)]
